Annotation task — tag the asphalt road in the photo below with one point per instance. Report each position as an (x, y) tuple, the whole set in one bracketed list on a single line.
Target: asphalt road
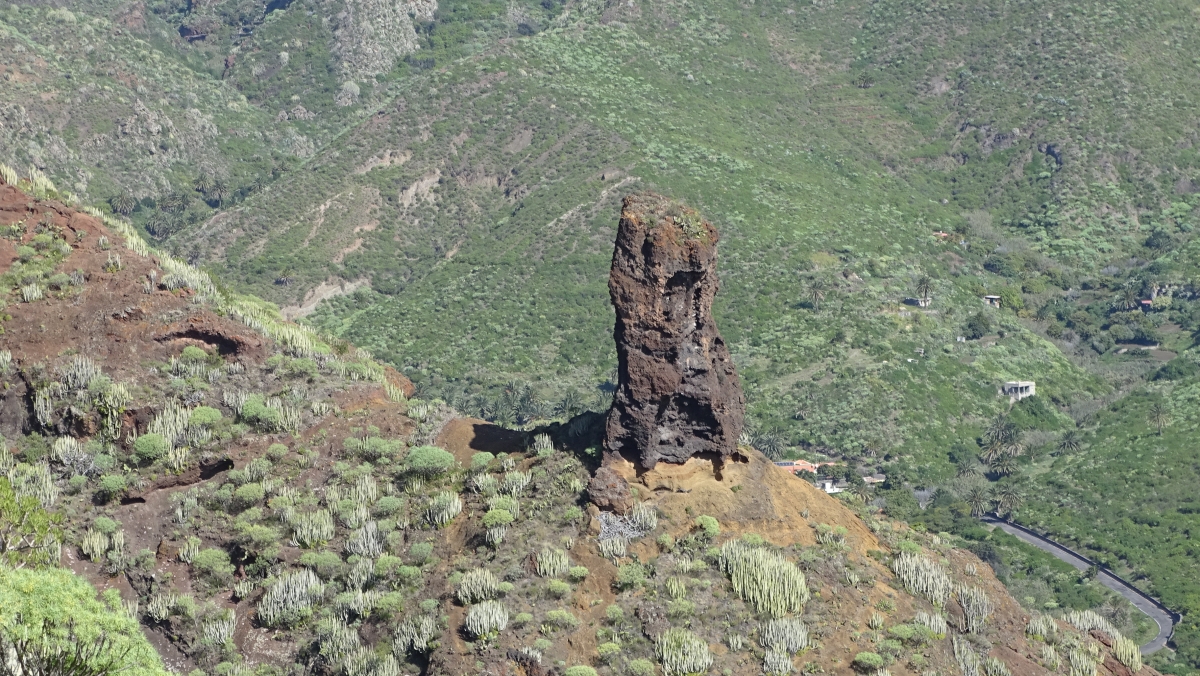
[(1157, 612)]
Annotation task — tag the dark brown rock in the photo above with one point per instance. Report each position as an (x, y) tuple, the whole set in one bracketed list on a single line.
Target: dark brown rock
[(678, 394), (609, 490)]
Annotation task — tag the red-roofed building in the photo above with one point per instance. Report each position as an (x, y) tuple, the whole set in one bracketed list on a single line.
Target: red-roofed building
[(795, 466)]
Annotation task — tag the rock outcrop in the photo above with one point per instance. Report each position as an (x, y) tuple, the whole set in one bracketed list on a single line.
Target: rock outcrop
[(678, 394)]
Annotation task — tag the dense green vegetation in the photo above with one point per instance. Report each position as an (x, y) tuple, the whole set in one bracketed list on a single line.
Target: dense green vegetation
[(53, 609)]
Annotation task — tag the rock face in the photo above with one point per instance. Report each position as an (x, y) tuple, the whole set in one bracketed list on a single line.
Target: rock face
[(678, 394)]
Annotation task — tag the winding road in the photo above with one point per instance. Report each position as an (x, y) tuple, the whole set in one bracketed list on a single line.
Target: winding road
[(1163, 616)]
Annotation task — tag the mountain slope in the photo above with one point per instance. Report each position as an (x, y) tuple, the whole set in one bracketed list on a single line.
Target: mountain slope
[(212, 516)]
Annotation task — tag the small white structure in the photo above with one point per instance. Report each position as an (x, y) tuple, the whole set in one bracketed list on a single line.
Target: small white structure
[(993, 301), (830, 486), (1019, 389)]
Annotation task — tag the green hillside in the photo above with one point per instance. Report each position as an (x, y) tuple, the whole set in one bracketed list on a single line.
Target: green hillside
[(452, 192)]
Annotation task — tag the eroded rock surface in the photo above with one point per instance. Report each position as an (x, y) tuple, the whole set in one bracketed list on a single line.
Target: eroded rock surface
[(678, 394)]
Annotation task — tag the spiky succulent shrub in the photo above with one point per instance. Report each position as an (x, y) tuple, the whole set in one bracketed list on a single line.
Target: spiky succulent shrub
[(786, 635), (485, 484), (1087, 620), (218, 630), (968, 660), (312, 529), (643, 517), (976, 607), (614, 547), (365, 541), (476, 586), (552, 562), (507, 503), (1050, 658), (764, 579), (777, 663), (515, 482), (443, 508), (994, 666), (486, 620), (414, 635), (543, 446), (1042, 628), (34, 481), (290, 599), (923, 577), (93, 544), (160, 607), (336, 641), (1081, 663), (496, 521), (189, 550), (935, 622), (680, 652), (876, 621), (1128, 653)]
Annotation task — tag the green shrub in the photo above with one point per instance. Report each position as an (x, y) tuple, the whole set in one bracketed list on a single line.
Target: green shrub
[(561, 619), (708, 526), (409, 575), (389, 606), (608, 652), (31, 597), (497, 518), (868, 661), (481, 460), (640, 667), (681, 608), (105, 525), (572, 514), (110, 486), (522, 619), (558, 589), (256, 412), (429, 461), (150, 447), (614, 614), (419, 553), (276, 452), (630, 576), (205, 416), (193, 354), (577, 573), (579, 671), (214, 565), (388, 505), (249, 494), (302, 368)]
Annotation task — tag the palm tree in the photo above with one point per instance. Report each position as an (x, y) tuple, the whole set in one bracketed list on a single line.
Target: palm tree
[(218, 192), (968, 468), (1005, 465), (123, 204), (924, 289), (173, 203), (1070, 442), (817, 290), (1008, 499), (1000, 430), (1159, 416), (203, 183), (980, 500)]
